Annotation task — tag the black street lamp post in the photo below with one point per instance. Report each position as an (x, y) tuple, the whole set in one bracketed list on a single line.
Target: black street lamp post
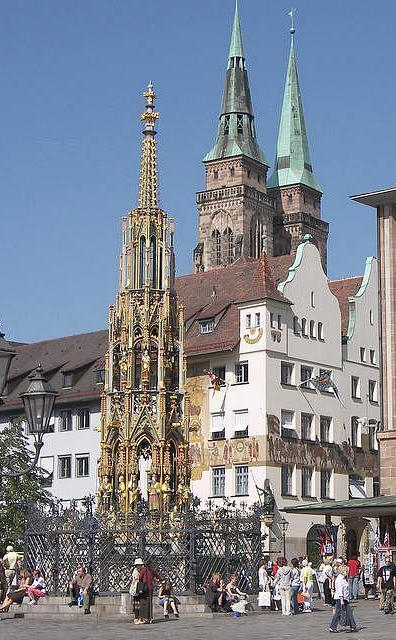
[(284, 525), (38, 401)]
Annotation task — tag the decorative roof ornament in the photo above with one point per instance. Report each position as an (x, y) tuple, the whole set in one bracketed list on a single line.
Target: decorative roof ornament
[(293, 161), (148, 187)]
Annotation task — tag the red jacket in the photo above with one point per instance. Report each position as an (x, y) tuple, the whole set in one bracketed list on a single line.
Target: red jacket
[(147, 575)]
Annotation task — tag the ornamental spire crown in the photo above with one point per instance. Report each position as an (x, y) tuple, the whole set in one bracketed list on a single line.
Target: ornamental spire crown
[(148, 187)]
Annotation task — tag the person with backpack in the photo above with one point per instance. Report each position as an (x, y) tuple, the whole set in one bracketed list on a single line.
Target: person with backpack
[(147, 575)]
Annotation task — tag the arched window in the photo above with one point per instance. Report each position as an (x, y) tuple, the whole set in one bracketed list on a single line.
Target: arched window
[(312, 329), (216, 247), (142, 262), (228, 238), (153, 263), (256, 237), (304, 327)]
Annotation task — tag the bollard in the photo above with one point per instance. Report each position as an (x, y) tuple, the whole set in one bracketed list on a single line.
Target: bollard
[(126, 608)]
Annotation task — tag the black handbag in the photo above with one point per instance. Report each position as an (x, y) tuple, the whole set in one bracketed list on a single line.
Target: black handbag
[(141, 589)]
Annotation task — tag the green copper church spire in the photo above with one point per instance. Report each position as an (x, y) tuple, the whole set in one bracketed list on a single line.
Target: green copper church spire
[(236, 133), (236, 46), (293, 163)]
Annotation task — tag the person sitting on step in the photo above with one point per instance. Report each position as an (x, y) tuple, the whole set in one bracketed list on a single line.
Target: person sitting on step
[(80, 589), (17, 595), (37, 589), (167, 599)]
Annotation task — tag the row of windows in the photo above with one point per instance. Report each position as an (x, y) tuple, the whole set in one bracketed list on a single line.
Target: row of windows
[(308, 328), (308, 490), (241, 425), (241, 373), (308, 428), (241, 481), (372, 355), (372, 390), (81, 466), (68, 379), (288, 377), (288, 374)]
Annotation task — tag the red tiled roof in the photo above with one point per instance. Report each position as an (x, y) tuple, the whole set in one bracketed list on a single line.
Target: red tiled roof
[(212, 294), (343, 290)]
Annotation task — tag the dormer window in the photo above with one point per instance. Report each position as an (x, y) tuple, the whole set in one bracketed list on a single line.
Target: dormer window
[(99, 376), (206, 326), (67, 381)]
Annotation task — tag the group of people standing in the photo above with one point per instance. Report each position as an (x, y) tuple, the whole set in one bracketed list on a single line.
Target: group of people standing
[(286, 587), (142, 589)]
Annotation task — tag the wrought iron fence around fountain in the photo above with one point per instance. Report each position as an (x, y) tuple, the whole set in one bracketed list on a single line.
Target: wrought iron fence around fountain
[(185, 548)]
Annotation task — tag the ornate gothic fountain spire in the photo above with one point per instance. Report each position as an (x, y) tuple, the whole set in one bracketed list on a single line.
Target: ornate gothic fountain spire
[(144, 442), (148, 189)]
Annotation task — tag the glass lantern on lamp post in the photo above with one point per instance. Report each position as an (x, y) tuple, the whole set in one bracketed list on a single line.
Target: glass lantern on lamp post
[(284, 525), (38, 401)]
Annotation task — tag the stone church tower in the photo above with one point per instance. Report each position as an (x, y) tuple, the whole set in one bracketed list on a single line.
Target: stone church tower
[(144, 414), (239, 213), (293, 185), (234, 212)]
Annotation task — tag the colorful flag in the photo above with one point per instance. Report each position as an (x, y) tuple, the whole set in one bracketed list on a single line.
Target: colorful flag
[(215, 381)]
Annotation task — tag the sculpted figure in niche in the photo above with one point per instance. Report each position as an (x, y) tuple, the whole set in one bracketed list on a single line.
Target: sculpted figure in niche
[(122, 493)]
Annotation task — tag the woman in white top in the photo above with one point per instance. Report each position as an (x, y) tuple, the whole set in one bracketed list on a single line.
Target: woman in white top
[(342, 597), (327, 573), (264, 597), (37, 588)]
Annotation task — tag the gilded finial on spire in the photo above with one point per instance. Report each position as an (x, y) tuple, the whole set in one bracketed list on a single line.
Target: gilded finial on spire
[(292, 28), (148, 190)]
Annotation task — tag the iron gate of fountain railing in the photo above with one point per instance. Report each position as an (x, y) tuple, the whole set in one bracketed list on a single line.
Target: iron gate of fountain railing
[(186, 548)]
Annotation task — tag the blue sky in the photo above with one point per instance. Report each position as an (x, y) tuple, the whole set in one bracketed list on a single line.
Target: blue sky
[(72, 75)]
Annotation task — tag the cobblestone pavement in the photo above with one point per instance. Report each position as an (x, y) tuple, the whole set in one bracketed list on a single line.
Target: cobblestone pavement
[(372, 625)]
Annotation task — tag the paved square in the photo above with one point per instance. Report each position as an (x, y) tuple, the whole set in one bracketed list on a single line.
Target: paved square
[(373, 625)]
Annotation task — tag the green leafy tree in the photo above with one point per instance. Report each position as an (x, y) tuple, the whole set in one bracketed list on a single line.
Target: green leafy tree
[(16, 494)]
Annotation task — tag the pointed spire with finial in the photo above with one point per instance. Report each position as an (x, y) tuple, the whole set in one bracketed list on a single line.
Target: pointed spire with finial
[(293, 162), (236, 133), (236, 46), (148, 188)]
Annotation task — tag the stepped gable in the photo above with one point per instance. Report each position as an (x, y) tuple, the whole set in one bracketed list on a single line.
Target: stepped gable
[(344, 289), (215, 295)]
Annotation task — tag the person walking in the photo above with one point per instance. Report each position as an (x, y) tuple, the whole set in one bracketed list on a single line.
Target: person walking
[(342, 598), (283, 579), (387, 584), (295, 585), (354, 570)]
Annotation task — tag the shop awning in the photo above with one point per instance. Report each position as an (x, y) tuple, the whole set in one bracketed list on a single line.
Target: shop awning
[(363, 507)]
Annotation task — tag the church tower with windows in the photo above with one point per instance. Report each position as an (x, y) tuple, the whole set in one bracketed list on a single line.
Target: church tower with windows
[(234, 212), (144, 413), (293, 185)]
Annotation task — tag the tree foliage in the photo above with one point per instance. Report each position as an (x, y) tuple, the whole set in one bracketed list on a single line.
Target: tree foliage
[(16, 494)]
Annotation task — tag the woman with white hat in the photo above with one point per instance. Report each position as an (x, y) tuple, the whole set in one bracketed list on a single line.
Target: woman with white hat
[(137, 565)]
